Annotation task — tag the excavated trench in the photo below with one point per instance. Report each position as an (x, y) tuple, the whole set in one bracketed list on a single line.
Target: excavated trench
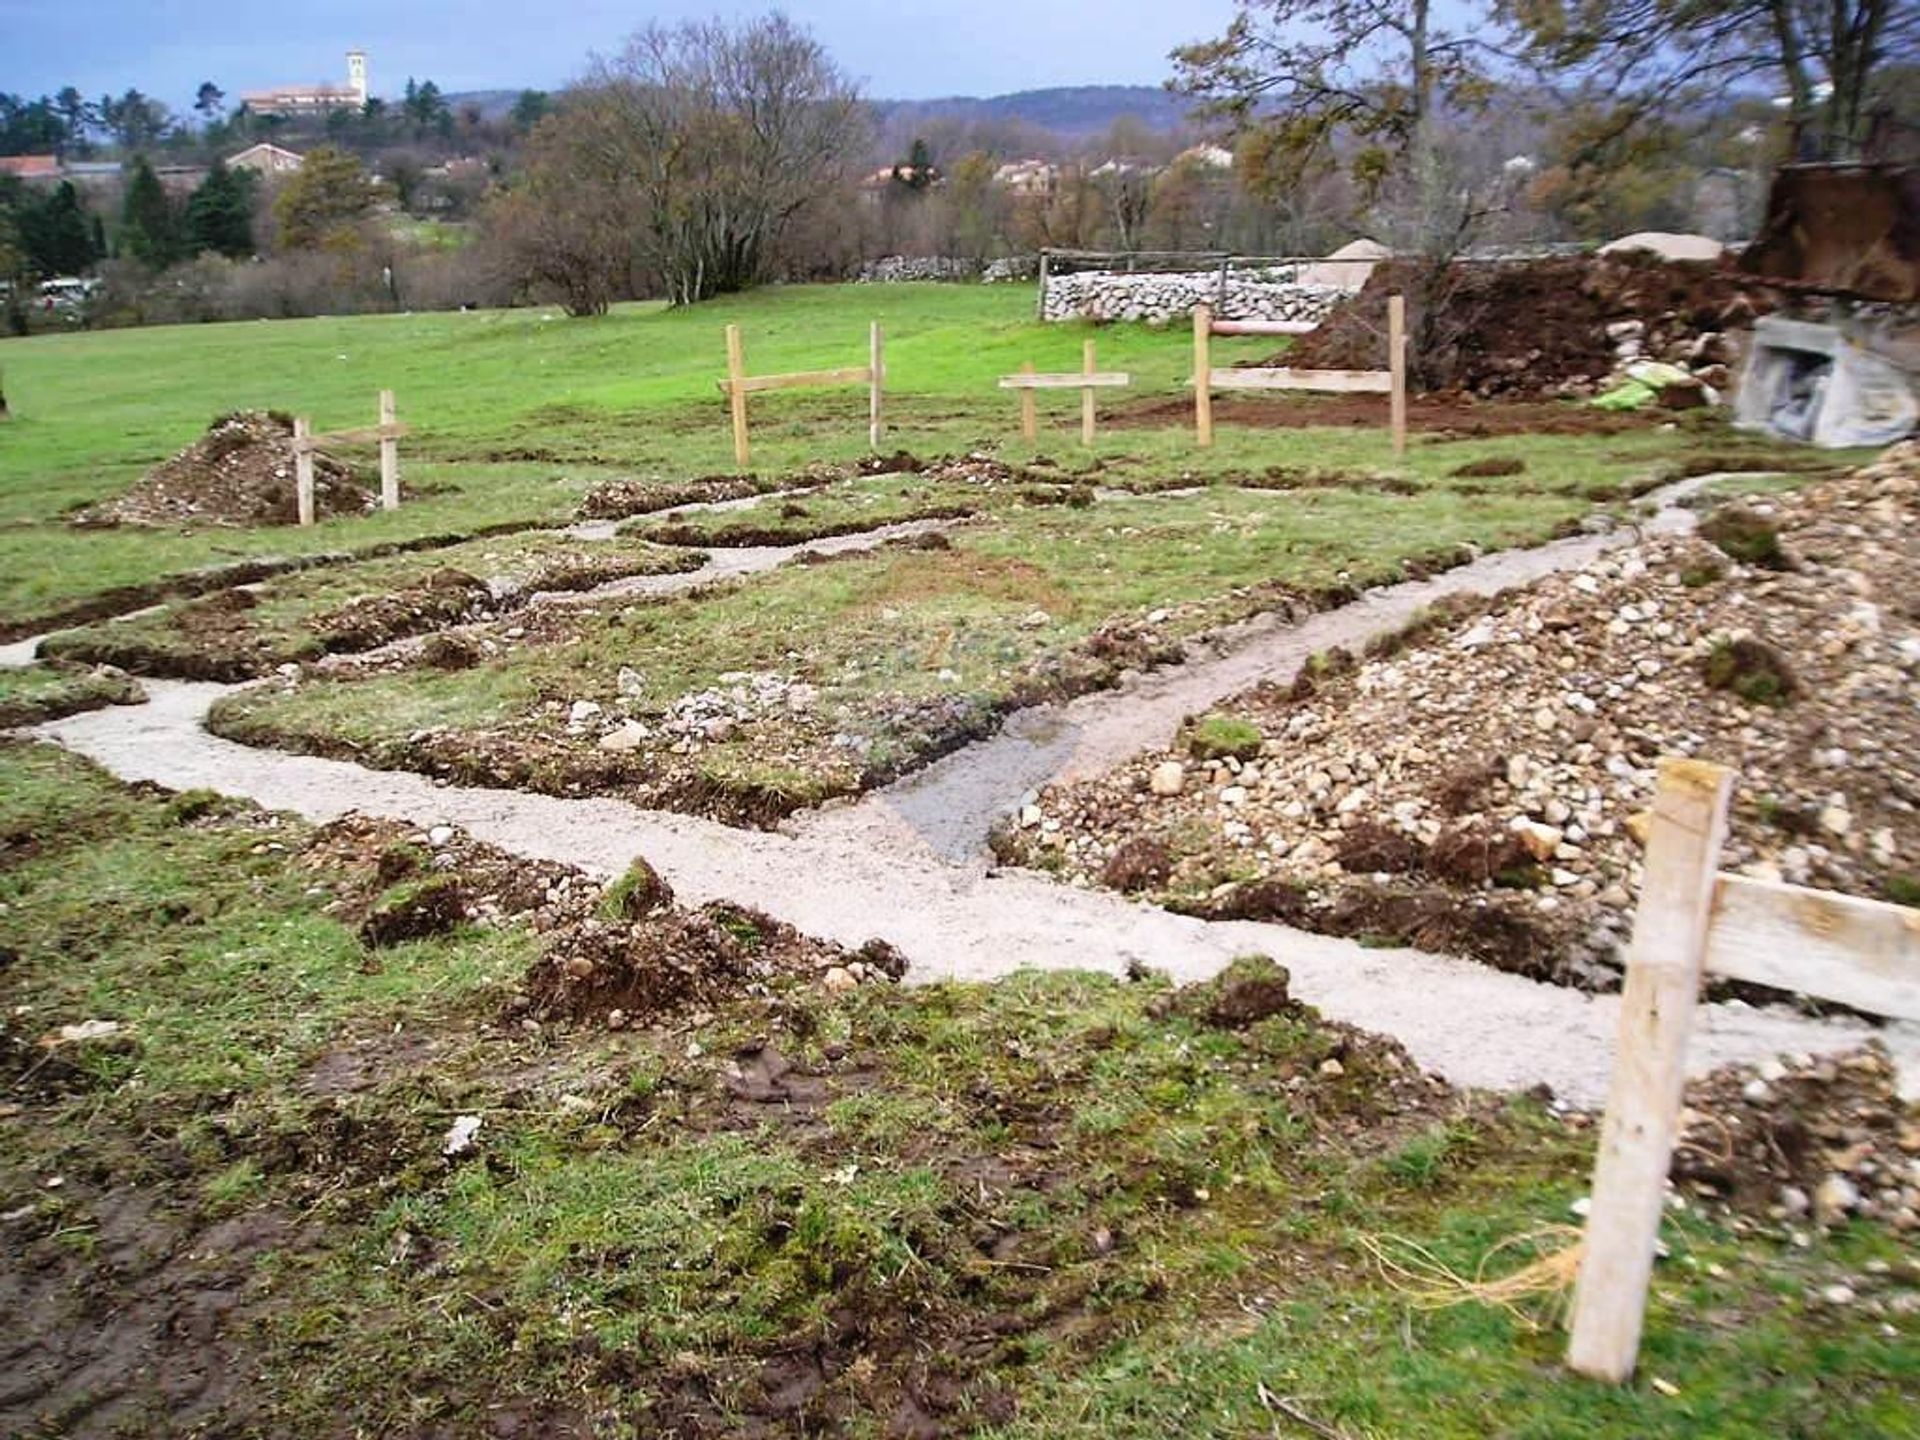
[(907, 864)]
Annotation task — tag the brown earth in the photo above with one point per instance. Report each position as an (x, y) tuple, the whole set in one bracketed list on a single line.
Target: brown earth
[(1538, 328), (1804, 1141), (241, 472), (1448, 416)]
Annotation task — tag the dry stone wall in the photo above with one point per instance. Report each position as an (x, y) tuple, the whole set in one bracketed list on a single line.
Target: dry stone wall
[(1159, 299)]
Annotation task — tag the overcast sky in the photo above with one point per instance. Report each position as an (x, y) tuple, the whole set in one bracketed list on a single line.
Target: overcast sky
[(907, 49)]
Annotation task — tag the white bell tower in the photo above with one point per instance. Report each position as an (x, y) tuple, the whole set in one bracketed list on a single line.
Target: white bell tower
[(357, 74)]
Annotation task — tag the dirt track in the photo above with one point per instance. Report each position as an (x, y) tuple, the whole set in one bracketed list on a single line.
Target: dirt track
[(903, 864)]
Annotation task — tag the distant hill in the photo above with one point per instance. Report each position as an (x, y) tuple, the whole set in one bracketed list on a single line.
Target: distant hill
[(1072, 111)]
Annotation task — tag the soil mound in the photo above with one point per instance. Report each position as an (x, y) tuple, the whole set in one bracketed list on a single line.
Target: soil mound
[(1804, 1140), (1547, 328), (1479, 784), (239, 473)]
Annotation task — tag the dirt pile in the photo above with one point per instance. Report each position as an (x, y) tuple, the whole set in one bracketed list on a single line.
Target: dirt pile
[(1554, 328), (1804, 1141), (1481, 785), (239, 473), (618, 955)]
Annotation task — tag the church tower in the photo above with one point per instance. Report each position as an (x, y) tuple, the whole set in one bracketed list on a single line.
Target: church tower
[(357, 75)]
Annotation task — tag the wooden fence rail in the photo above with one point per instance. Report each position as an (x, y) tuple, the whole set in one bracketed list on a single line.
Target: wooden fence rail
[(1391, 382), (738, 385), (1086, 382), (1694, 921), (388, 433)]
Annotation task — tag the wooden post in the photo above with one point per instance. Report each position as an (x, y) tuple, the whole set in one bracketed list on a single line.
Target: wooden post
[(389, 455), (1397, 365), (1086, 395), (876, 361), (1203, 374), (1040, 305), (737, 395), (1643, 1101), (1029, 415), (303, 469)]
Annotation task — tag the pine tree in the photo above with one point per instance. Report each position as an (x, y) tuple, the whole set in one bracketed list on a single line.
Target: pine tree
[(56, 234), (149, 230), (220, 213)]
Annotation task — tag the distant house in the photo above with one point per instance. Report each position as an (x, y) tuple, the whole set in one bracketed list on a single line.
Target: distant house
[(1027, 177), (179, 180), (30, 167), (1207, 157), (266, 159), (305, 101), (94, 174)]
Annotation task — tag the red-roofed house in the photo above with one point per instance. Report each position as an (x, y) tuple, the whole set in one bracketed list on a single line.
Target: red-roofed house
[(30, 167)]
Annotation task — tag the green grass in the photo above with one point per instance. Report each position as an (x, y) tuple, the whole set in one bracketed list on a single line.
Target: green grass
[(308, 613), (516, 414), (31, 694), (906, 647), (1063, 1204)]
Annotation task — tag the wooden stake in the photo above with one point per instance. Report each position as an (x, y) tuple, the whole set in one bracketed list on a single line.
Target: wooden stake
[(876, 361), (1029, 413), (1203, 374), (1086, 395), (1397, 365), (1643, 1102), (389, 455), (303, 469), (737, 395)]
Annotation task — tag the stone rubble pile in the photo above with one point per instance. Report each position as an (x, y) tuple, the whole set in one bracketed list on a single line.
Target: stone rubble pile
[(1525, 743), (1009, 269), (901, 269), (1105, 295), (713, 715), (1806, 1143)]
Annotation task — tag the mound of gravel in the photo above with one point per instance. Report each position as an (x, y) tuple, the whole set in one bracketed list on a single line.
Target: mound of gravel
[(1484, 789), (239, 473)]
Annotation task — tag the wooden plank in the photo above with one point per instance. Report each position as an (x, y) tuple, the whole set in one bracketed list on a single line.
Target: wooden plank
[(1029, 416), (1643, 1101), (1265, 327), (1863, 953), (1397, 371), (364, 435), (1361, 382), (389, 453), (303, 469), (1098, 379), (1086, 395), (877, 384), (800, 379), (1203, 373), (737, 395)]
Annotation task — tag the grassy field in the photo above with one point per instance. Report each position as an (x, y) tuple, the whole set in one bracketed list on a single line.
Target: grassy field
[(1063, 1205), (517, 414)]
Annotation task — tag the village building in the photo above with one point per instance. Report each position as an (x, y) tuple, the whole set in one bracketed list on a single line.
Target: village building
[(30, 167), (299, 101), (266, 159)]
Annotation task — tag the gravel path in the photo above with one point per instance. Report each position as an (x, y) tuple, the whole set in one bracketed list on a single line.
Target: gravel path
[(904, 864)]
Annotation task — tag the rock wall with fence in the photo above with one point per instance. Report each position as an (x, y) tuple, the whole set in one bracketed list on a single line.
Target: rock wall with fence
[(1163, 298)]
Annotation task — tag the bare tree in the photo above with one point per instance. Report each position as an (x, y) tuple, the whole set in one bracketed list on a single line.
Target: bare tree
[(1832, 61), (1315, 72), (723, 134)]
